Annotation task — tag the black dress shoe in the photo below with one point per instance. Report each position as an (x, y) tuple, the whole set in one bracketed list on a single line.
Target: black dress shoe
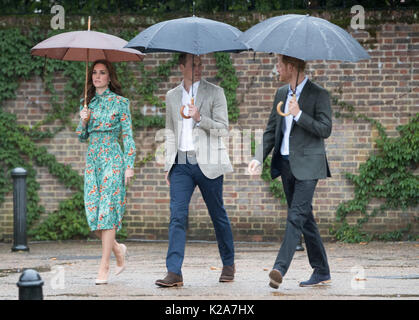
[(171, 280)]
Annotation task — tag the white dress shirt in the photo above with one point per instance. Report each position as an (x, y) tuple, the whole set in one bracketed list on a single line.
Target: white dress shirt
[(285, 146), (186, 141)]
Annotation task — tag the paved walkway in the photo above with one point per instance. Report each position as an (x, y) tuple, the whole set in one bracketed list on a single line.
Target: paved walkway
[(372, 271)]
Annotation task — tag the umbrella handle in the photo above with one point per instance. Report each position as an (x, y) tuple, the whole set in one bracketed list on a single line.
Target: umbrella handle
[(278, 109), (183, 107), (88, 113)]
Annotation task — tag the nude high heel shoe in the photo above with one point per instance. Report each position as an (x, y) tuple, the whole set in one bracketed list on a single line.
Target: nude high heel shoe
[(118, 270), (98, 281), (102, 281)]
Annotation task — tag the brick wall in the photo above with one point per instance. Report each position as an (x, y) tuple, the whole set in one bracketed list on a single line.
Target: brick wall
[(384, 88)]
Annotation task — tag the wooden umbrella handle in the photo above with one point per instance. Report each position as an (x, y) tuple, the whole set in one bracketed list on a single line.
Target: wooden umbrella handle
[(182, 108), (279, 105), (88, 113), (278, 109)]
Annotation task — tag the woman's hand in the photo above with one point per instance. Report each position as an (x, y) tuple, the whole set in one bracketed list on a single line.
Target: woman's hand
[(85, 116), (129, 173)]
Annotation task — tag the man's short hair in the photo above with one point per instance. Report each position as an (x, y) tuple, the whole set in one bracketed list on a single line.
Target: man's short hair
[(299, 64), (182, 58)]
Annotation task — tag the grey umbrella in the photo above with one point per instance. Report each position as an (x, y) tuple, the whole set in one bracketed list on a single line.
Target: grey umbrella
[(303, 37), (192, 35)]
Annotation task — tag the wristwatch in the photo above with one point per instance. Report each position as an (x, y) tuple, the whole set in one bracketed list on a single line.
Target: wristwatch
[(199, 122)]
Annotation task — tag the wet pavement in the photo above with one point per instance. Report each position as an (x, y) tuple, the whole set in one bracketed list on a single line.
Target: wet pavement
[(375, 270)]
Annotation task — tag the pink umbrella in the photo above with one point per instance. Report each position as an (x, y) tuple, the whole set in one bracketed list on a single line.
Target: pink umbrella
[(86, 46)]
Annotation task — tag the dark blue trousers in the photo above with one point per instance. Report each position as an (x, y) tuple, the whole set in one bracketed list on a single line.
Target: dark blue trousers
[(183, 180)]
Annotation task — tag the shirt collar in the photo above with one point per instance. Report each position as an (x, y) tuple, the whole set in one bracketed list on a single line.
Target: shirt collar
[(104, 93), (195, 88), (299, 87)]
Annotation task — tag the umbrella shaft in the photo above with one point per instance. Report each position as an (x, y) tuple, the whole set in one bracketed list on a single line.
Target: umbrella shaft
[(85, 80), (296, 82), (87, 67)]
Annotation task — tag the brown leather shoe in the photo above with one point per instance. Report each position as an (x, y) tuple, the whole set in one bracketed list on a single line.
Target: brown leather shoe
[(227, 275), (171, 280), (276, 278)]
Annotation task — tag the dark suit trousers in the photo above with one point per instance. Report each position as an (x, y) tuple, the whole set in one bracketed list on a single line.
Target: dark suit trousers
[(300, 220), (184, 177)]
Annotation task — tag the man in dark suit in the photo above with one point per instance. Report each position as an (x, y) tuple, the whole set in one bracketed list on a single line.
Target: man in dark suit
[(299, 157)]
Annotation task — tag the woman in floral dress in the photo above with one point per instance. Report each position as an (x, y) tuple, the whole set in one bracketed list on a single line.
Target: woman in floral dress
[(108, 168)]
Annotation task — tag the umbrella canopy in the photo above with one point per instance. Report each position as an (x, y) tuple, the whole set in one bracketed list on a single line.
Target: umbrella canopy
[(191, 35), (86, 46), (303, 37)]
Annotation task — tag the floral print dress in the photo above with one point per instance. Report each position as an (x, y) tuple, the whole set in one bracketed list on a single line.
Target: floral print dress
[(104, 176)]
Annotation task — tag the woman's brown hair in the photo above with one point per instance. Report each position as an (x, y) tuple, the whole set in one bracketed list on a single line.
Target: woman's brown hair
[(114, 85)]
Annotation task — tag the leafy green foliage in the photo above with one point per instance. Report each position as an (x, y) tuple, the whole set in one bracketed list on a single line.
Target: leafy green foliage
[(388, 174), (229, 81), (275, 186)]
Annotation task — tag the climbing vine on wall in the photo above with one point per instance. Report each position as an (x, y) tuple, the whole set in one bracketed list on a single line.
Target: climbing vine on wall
[(227, 74), (388, 174)]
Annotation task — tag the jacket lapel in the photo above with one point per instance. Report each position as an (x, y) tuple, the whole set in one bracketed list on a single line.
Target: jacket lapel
[(200, 94), (282, 97), (303, 97), (177, 104)]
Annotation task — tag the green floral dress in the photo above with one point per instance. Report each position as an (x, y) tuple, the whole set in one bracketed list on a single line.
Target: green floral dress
[(104, 176)]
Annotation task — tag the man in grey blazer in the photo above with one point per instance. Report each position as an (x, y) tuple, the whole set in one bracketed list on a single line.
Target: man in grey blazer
[(299, 157), (196, 156)]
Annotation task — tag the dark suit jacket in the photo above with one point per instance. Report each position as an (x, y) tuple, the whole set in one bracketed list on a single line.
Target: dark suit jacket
[(307, 151)]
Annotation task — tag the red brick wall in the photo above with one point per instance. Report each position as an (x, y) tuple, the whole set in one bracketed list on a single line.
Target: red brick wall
[(384, 88)]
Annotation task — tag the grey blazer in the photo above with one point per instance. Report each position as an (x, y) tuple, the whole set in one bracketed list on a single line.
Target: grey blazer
[(307, 151), (211, 153)]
